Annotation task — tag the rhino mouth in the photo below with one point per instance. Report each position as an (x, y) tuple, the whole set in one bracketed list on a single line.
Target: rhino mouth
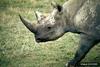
[(41, 40), (38, 40), (44, 40)]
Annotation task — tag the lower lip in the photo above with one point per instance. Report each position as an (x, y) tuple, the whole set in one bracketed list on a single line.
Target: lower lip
[(41, 41)]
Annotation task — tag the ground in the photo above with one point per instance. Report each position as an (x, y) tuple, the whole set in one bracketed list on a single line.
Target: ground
[(17, 44)]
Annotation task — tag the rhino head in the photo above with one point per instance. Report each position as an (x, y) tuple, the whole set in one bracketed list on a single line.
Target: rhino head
[(49, 27)]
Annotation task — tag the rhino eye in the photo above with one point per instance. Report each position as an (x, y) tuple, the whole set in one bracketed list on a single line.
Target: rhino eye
[(49, 28)]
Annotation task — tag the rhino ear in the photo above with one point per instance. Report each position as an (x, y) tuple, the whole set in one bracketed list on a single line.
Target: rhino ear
[(57, 6), (39, 16)]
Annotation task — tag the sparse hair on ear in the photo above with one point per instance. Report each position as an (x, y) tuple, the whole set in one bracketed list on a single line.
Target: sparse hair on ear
[(57, 6)]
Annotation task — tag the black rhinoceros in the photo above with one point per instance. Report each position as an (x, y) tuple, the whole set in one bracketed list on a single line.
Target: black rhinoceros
[(76, 16)]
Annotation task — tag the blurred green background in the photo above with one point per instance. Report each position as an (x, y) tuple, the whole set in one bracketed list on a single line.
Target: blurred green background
[(17, 44)]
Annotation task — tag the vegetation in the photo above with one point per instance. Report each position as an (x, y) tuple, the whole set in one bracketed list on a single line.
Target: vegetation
[(17, 44)]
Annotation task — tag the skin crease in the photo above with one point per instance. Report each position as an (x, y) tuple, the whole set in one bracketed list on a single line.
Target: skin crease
[(76, 16)]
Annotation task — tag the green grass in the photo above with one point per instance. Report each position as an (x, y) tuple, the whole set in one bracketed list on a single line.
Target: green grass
[(17, 44)]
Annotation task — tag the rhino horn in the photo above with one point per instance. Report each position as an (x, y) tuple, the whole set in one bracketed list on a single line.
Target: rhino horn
[(28, 24), (39, 16)]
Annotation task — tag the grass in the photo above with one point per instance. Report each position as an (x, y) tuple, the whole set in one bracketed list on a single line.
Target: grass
[(17, 44)]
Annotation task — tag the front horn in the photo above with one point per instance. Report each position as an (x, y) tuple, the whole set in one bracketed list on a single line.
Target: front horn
[(28, 24)]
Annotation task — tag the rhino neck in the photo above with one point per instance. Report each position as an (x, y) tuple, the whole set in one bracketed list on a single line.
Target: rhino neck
[(71, 27), (70, 9)]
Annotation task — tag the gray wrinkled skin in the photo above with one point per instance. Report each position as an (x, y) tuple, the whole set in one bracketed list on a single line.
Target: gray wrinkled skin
[(76, 16)]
